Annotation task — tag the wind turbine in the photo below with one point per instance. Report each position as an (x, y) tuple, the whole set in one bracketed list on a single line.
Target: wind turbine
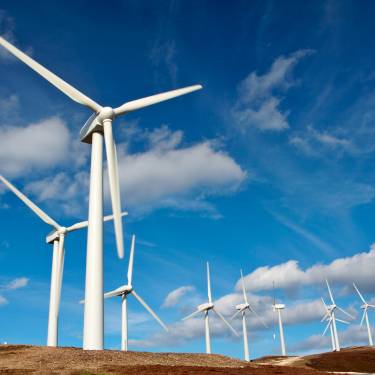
[(123, 292), (329, 318), (241, 309), (278, 307), (99, 124), (57, 239), (365, 307), (331, 314), (205, 308)]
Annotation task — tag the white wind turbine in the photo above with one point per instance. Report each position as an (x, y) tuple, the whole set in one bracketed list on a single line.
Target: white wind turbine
[(123, 292), (99, 124), (241, 309), (331, 321), (332, 316), (57, 239), (278, 307), (365, 307), (205, 308)]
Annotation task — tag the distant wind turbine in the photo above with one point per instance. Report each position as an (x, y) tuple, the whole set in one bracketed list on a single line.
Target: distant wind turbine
[(57, 239), (241, 309), (329, 319), (123, 292), (205, 308), (278, 307), (332, 316), (365, 307), (98, 125)]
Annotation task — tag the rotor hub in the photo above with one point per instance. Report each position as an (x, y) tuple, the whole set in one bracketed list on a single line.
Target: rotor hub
[(62, 230), (106, 113)]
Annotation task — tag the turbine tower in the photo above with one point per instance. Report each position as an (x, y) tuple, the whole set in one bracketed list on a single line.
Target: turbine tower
[(365, 307), (205, 308), (332, 316), (241, 309), (98, 125), (123, 292), (56, 238)]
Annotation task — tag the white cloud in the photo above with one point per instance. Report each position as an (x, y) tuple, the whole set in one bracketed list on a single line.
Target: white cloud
[(182, 332), (163, 57), (8, 105), (289, 275), (168, 175), (258, 102), (315, 143), (37, 146), (353, 335), (18, 283), (12, 285), (165, 175), (3, 300), (175, 296), (69, 192)]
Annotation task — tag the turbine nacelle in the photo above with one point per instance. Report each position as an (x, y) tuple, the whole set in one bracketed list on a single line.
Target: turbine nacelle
[(279, 306), (242, 306), (95, 123), (205, 306), (53, 236), (123, 290)]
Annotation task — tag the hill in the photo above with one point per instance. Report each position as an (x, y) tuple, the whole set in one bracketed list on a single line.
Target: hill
[(26, 359)]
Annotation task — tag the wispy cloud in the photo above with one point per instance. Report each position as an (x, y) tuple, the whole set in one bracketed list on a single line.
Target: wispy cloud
[(174, 297), (315, 143), (259, 98), (10, 286), (311, 237)]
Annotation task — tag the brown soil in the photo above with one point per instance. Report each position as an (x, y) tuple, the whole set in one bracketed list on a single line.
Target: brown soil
[(356, 359), (23, 359)]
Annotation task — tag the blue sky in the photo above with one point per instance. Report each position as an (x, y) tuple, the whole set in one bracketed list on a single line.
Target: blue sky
[(269, 168)]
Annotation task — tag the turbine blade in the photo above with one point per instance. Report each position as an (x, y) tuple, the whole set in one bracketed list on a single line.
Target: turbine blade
[(342, 321), (345, 312), (324, 302), (225, 321), (154, 99), (114, 293), (52, 78), (330, 293), (363, 316), (235, 314), (48, 220), (325, 317), (131, 261), (327, 326), (148, 308), (84, 224), (191, 315), (359, 293), (209, 284), (259, 318), (243, 288), (114, 185)]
